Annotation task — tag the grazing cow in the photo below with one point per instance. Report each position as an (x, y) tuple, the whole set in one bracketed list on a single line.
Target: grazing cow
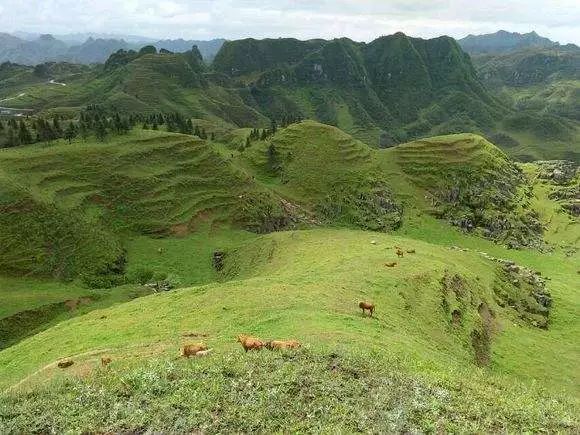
[(367, 306), (250, 343), (105, 361), (391, 264), (400, 252), (282, 344), (66, 363), (192, 349), (410, 251)]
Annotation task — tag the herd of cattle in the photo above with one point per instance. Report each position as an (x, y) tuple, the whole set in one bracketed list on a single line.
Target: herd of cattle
[(252, 343)]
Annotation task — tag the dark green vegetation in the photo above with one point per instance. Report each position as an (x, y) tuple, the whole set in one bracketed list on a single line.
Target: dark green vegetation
[(540, 80), (389, 91), (502, 42)]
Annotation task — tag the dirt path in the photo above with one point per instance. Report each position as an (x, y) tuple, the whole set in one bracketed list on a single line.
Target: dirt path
[(13, 98), (53, 82)]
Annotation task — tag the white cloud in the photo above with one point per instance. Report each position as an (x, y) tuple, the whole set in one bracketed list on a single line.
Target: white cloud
[(357, 19)]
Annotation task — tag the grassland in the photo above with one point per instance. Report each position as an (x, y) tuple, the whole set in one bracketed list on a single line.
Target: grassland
[(172, 200), (306, 285)]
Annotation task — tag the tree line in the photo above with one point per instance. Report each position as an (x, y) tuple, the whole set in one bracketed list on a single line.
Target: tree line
[(95, 121)]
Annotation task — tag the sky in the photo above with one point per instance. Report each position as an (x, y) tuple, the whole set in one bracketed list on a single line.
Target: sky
[(361, 20)]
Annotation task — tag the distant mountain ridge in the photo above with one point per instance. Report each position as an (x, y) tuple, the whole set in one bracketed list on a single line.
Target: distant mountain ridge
[(504, 42), (36, 49)]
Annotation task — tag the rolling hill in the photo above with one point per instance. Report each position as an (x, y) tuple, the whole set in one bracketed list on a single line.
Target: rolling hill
[(323, 173)]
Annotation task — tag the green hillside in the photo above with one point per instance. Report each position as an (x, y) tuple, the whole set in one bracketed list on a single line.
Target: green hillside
[(306, 285), (541, 84), (470, 182), (464, 328)]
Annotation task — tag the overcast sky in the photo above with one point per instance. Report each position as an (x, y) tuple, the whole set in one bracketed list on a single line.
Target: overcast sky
[(361, 20)]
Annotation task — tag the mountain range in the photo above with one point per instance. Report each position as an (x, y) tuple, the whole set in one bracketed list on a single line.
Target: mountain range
[(30, 49)]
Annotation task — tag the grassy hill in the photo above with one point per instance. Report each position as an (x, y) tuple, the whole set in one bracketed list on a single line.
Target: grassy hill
[(461, 341), (306, 285)]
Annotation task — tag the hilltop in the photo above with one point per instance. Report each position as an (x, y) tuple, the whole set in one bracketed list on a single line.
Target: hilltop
[(503, 42)]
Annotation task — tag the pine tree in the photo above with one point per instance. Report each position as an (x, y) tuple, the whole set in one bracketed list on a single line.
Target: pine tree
[(24, 136), (56, 127), (70, 132), (101, 131), (272, 157), (145, 126), (83, 130), (273, 127), (12, 138)]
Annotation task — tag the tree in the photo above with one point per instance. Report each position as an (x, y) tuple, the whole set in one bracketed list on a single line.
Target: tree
[(24, 136), (272, 158), (83, 129), (12, 138), (273, 127), (70, 132), (56, 127), (101, 131)]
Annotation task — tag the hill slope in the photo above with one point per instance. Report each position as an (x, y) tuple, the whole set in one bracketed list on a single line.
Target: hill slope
[(438, 308)]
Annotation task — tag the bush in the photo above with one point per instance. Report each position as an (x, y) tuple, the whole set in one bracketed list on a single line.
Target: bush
[(141, 276)]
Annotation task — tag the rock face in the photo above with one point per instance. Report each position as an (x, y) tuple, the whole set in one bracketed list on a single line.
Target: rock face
[(564, 178)]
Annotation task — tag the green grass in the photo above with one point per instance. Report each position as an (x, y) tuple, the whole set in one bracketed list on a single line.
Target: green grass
[(187, 260), (21, 293), (307, 285), (294, 284)]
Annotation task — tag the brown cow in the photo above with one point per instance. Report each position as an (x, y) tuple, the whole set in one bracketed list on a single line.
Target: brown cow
[(66, 363), (400, 252), (367, 306), (192, 349), (283, 344), (391, 264), (250, 343), (105, 361)]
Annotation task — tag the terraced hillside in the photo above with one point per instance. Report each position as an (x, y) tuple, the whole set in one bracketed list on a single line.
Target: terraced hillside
[(334, 175), (472, 183), (148, 183), (438, 316), (389, 91)]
